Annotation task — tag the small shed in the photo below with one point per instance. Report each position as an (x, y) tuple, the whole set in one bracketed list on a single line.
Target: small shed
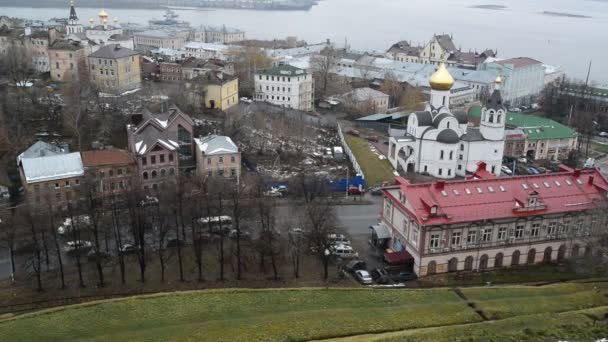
[(338, 152)]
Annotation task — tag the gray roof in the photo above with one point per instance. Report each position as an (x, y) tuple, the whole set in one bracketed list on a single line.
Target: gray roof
[(283, 70), (158, 34), (72, 45), (446, 42), (40, 149), (216, 144), (438, 118), (113, 51), (495, 101), (448, 136), (50, 168), (153, 130), (472, 134), (364, 94), (424, 118)]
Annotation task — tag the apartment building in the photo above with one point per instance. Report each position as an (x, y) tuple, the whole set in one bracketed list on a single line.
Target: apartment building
[(287, 86)]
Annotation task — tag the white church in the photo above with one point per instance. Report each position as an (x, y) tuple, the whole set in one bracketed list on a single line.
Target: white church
[(439, 142), (96, 35)]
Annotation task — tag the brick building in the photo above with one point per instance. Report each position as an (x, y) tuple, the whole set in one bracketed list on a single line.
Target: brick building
[(108, 172)]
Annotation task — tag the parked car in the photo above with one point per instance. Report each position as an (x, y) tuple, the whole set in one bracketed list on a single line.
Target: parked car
[(317, 114), (589, 163), (532, 170), (128, 248), (273, 193), (522, 160), (355, 265), (380, 276), (338, 239), (296, 230), (353, 132), (506, 170), (353, 190), (385, 142), (174, 243), (245, 235), (80, 245), (377, 191), (246, 100), (363, 277), (66, 226), (344, 251), (542, 169), (404, 276), (372, 138)]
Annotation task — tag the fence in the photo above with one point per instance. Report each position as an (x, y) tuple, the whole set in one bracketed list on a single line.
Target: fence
[(349, 152)]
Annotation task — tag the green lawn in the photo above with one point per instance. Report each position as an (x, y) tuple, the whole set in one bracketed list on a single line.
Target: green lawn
[(375, 170), (242, 315), (599, 147), (516, 313), (573, 326), (505, 302)]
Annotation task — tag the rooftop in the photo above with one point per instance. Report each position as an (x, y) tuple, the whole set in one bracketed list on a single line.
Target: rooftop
[(40, 149), (216, 144), (364, 94), (113, 51), (519, 62), (536, 127), (105, 157), (53, 167), (158, 34), (496, 198), (283, 70)]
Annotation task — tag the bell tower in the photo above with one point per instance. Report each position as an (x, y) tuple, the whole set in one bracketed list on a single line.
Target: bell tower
[(73, 25), (493, 115)]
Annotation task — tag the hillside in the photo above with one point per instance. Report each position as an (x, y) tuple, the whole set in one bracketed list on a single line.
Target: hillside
[(486, 313)]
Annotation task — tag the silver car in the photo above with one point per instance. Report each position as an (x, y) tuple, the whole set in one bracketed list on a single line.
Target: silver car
[(363, 277)]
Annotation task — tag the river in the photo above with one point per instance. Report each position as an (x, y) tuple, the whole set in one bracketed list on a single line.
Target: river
[(518, 30)]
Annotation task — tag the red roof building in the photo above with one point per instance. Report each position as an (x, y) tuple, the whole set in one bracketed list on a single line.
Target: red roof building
[(108, 172), (484, 221)]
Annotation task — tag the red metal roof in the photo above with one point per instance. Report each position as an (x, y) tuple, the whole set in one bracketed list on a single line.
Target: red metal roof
[(495, 198), (399, 258), (105, 158)]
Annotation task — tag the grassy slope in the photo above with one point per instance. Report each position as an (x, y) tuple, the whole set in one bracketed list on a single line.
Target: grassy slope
[(375, 170), (246, 315)]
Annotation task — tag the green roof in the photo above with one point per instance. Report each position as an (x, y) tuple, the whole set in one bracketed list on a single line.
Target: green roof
[(535, 127), (283, 70)]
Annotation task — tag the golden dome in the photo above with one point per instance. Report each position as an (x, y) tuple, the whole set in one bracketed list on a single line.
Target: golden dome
[(103, 14), (498, 80), (441, 79)]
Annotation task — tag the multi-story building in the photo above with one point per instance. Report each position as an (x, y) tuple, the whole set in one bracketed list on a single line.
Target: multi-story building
[(206, 50), (523, 79), (50, 176), (544, 138), (38, 46), (366, 100), (68, 60), (217, 156), (440, 49), (439, 142), (484, 222), (9, 39), (193, 67), (287, 86), (223, 35), (115, 69), (515, 142), (108, 172), (151, 39), (215, 89), (162, 146), (171, 71)]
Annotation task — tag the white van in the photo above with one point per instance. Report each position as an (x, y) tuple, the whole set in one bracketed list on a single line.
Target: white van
[(589, 163), (344, 251)]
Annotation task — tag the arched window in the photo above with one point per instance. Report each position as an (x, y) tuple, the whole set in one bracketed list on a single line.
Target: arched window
[(451, 155), (498, 260), (561, 253), (515, 258), (145, 174), (498, 118), (162, 173), (547, 255), (154, 174), (491, 118), (448, 124), (468, 263), (531, 256), (453, 265), (483, 262)]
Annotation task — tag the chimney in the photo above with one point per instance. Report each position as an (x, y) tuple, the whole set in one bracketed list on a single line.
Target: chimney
[(590, 180), (576, 173), (117, 47), (439, 185)]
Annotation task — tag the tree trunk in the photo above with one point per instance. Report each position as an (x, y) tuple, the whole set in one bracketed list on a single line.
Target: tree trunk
[(179, 248), (325, 267), (46, 250)]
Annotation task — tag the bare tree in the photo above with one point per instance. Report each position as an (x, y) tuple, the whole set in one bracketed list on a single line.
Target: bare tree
[(74, 228), (323, 65), (32, 221), (8, 229), (94, 215), (118, 237), (238, 210), (318, 216), (267, 243), (138, 214)]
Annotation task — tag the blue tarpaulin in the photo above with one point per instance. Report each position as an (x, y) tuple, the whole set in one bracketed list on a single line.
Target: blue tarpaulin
[(341, 185)]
